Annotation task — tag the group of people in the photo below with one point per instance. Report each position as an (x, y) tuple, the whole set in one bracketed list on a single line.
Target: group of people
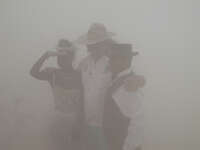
[(97, 102)]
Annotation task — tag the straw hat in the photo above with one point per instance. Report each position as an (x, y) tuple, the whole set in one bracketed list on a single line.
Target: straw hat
[(96, 33)]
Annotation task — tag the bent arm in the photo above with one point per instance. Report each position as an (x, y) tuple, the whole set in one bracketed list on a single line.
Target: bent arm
[(36, 69), (133, 83)]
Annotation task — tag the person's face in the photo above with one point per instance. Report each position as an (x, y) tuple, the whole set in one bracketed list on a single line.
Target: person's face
[(65, 58)]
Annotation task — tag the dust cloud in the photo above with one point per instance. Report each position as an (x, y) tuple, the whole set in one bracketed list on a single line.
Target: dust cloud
[(166, 34)]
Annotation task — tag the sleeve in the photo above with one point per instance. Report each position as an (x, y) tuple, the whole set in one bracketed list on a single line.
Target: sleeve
[(45, 74), (128, 102)]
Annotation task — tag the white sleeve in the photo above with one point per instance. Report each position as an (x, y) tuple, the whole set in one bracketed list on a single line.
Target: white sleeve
[(128, 102), (130, 105)]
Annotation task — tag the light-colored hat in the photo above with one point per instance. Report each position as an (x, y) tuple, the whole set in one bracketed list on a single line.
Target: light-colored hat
[(96, 33)]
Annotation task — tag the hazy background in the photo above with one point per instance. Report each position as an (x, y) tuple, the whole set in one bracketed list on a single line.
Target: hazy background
[(166, 34)]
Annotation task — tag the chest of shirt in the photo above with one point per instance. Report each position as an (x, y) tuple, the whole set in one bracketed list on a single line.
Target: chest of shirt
[(66, 80), (96, 74)]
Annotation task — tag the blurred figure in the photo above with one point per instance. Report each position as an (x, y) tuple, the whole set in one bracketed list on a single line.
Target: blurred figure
[(125, 128), (67, 91), (96, 78)]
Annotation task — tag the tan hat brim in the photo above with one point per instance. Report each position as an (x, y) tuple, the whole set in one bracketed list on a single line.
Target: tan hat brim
[(84, 39)]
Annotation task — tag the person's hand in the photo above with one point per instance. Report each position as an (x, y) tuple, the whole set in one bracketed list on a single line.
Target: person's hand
[(133, 83)]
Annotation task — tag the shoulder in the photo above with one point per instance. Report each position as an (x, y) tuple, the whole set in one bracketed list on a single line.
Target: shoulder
[(84, 63)]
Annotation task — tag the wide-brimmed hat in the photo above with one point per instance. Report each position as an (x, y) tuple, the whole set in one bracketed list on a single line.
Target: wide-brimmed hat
[(66, 45), (96, 33)]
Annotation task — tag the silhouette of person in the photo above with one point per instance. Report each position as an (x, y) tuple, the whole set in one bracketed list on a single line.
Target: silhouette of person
[(124, 129), (96, 78), (67, 91)]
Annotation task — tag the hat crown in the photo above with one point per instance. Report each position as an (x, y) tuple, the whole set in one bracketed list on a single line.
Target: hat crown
[(97, 31), (64, 43), (97, 28)]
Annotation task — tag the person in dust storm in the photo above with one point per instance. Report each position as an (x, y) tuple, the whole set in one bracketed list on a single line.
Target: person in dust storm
[(109, 85), (67, 91), (96, 78), (124, 130)]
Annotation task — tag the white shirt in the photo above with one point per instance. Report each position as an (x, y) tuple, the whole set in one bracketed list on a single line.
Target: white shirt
[(128, 102), (130, 105), (96, 79)]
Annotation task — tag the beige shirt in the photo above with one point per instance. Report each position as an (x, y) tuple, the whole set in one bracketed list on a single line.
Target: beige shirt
[(96, 79)]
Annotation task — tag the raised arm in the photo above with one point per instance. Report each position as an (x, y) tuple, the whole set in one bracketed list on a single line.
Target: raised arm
[(36, 71)]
